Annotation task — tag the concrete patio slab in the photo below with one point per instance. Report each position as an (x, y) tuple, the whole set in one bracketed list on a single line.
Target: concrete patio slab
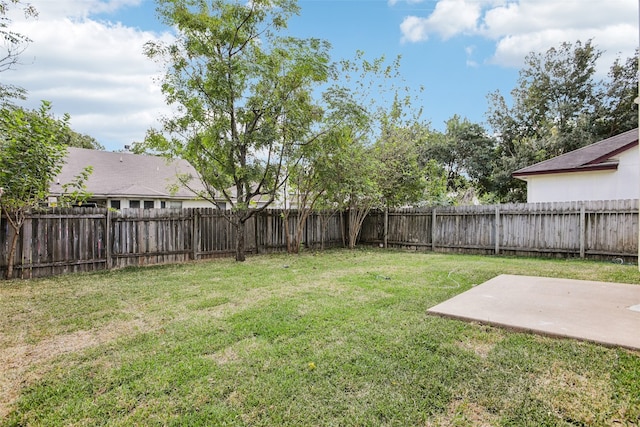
[(601, 312)]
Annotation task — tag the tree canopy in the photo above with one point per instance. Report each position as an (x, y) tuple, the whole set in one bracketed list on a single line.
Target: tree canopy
[(465, 152), (72, 138), (30, 158)]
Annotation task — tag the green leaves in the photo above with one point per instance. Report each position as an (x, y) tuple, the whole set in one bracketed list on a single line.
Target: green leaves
[(30, 158), (30, 155), (75, 193), (401, 178)]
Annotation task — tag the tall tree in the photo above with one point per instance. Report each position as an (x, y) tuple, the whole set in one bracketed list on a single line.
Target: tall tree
[(401, 178), (30, 158), (465, 151), (353, 186), (379, 167), (435, 193), (311, 175), (555, 95), (328, 174), (243, 97), (617, 111)]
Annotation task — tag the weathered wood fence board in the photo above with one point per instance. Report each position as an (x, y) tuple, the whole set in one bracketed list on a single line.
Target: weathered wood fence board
[(56, 242), (324, 229), (72, 240), (150, 236), (601, 229)]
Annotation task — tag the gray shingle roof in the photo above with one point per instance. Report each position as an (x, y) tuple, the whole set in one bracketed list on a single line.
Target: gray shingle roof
[(126, 174), (597, 156)]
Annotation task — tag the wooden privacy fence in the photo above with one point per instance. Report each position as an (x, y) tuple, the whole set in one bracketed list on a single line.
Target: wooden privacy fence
[(599, 230), (69, 240), (72, 240)]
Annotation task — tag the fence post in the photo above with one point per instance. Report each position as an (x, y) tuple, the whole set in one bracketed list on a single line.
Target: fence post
[(107, 231), (307, 238), (433, 229), (497, 230), (26, 255), (386, 226), (583, 230), (195, 233), (256, 227)]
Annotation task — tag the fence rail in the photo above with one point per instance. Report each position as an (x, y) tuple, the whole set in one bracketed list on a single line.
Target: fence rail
[(89, 239), (601, 229), (73, 240)]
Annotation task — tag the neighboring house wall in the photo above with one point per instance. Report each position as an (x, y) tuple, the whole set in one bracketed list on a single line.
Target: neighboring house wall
[(150, 203), (623, 183)]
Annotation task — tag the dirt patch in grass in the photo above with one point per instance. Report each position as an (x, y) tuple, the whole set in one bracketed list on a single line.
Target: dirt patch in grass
[(575, 398), (16, 361), (235, 352), (480, 348), (462, 412), (483, 342)]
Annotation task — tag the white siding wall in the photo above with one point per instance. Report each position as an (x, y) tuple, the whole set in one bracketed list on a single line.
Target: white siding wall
[(623, 183), (196, 204), (157, 203)]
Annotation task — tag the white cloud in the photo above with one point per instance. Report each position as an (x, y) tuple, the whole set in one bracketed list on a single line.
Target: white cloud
[(95, 71), (79, 8), (469, 50), (519, 27), (449, 18), (414, 29), (394, 2)]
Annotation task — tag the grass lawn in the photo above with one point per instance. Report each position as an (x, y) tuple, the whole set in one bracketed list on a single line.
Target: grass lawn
[(340, 338)]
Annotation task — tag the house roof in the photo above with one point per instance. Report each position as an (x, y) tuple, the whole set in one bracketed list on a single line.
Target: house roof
[(127, 174), (594, 157)]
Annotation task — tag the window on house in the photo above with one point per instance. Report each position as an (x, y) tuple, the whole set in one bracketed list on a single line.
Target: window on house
[(115, 204), (175, 205), (163, 205), (134, 204), (148, 204)]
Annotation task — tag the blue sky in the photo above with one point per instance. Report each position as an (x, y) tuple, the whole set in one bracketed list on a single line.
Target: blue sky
[(86, 55)]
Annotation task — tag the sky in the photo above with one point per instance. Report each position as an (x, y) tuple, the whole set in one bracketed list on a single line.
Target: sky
[(86, 55)]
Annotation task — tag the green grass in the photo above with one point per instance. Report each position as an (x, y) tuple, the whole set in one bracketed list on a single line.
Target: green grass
[(334, 339)]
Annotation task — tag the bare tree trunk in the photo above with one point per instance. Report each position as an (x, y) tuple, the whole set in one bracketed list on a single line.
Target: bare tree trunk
[(324, 226), (12, 252), (15, 222), (303, 213), (285, 221), (356, 219), (301, 220), (353, 229), (240, 226)]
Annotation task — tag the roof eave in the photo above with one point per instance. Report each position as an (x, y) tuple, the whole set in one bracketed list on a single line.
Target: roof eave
[(136, 196), (587, 168), (613, 153)]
